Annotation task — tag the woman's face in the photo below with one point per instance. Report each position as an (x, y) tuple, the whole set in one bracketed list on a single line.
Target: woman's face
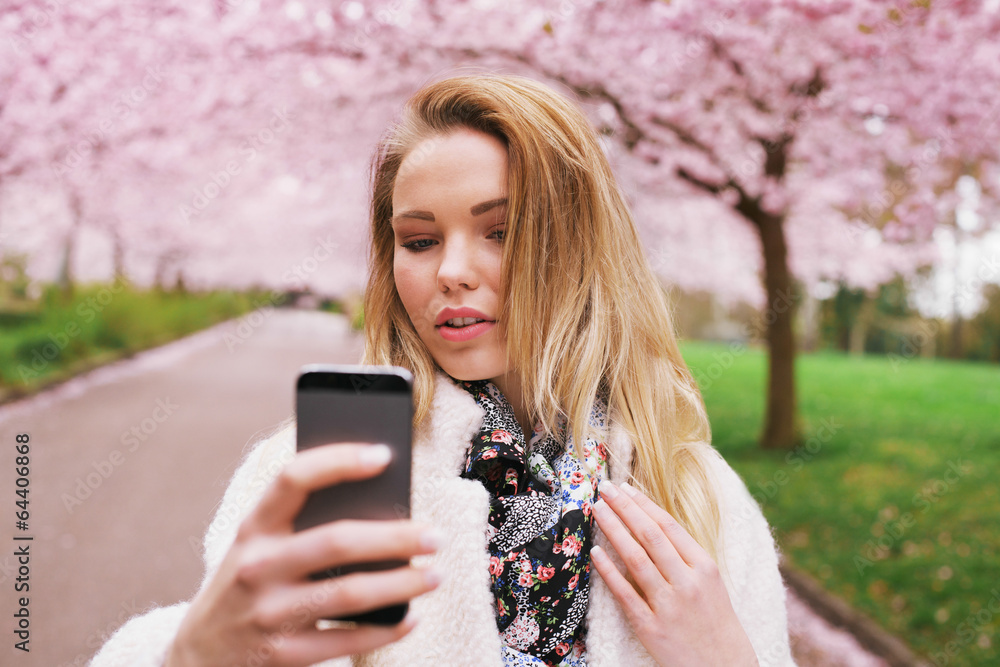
[(449, 214)]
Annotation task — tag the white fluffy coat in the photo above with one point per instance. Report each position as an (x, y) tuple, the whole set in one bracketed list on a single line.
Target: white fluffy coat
[(457, 625)]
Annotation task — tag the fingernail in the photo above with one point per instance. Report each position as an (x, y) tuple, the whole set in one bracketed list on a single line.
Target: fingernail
[(608, 490), (432, 577), (430, 540), (410, 620), (629, 489), (375, 455)]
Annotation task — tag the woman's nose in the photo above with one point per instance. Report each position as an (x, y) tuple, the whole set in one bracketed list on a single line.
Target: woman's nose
[(458, 268)]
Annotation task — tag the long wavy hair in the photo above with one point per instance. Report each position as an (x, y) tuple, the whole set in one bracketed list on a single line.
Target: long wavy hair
[(583, 314)]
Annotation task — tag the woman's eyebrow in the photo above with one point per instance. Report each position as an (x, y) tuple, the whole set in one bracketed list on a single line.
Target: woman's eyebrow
[(479, 209), (417, 215)]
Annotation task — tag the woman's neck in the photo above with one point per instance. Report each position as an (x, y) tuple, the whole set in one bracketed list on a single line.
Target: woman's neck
[(510, 386)]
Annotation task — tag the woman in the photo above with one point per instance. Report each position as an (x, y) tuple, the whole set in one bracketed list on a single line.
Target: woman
[(558, 431)]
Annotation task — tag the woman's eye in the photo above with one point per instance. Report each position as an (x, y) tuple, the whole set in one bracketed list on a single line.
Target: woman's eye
[(418, 245), (498, 234)]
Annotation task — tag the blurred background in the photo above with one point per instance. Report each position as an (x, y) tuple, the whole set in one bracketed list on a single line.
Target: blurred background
[(183, 221)]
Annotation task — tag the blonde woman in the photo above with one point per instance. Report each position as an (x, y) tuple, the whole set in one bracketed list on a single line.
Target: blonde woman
[(558, 432)]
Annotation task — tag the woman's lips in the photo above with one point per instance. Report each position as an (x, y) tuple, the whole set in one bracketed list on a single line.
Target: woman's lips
[(460, 334)]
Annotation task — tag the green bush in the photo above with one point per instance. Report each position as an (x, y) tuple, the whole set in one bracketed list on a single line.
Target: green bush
[(64, 333)]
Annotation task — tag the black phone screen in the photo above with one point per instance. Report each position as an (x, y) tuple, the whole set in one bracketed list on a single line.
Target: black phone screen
[(358, 404)]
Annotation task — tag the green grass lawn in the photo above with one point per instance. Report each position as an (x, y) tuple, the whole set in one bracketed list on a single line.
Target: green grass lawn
[(891, 502), (57, 336)]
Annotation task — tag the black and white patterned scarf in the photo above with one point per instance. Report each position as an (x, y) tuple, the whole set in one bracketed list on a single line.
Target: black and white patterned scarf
[(540, 528)]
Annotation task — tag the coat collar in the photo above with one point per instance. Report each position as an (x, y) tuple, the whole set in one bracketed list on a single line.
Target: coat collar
[(455, 418), (444, 437), (459, 623)]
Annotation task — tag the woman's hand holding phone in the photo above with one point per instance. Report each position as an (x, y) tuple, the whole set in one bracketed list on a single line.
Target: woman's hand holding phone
[(261, 602)]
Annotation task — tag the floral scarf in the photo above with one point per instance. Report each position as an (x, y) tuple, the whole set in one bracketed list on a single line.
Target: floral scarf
[(539, 529)]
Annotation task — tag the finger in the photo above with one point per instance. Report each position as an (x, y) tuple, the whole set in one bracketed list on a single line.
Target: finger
[(331, 545), (647, 532), (310, 470), (649, 578), (686, 546), (632, 604), (309, 646), (346, 595)]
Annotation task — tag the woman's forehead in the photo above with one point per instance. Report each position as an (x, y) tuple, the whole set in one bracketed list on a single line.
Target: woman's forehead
[(467, 165)]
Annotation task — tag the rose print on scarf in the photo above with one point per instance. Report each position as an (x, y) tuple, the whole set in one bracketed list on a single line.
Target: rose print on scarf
[(540, 576), (500, 435)]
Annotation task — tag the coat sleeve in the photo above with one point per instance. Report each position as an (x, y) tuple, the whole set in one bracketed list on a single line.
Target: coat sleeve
[(751, 569), (143, 641)]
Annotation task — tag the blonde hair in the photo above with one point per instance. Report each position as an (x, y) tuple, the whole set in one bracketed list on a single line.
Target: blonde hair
[(583, 313)]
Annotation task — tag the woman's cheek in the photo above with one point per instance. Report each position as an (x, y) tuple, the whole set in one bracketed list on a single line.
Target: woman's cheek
[(411, 291)]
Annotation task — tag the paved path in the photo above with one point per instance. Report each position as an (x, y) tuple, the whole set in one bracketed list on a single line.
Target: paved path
[(117, 533)]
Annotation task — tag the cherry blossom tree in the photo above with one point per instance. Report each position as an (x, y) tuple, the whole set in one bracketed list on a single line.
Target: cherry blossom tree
[(804, 142), (840, 126)]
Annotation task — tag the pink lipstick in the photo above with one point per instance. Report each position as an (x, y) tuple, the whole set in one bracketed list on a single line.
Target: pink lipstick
[(461, 324)]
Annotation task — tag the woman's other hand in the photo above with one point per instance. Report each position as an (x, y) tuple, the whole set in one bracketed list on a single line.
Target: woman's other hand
[(681, 613), (261, 608)]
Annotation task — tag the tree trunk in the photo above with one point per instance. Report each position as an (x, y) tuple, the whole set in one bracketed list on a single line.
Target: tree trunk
[(118, 253), (862, 323), (956, 348), (160, 275), (780, 428), (809, 321), (65, 279)]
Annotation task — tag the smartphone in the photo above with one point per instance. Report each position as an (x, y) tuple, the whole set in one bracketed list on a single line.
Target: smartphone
[(347, 403)]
